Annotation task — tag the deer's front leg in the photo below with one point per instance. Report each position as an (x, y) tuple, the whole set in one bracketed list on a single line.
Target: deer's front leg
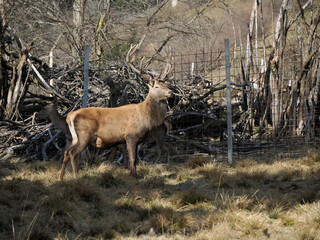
[(131, 146)]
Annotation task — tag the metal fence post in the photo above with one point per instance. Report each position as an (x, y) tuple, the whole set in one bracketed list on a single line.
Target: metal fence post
[(229, 113), (86, 76)]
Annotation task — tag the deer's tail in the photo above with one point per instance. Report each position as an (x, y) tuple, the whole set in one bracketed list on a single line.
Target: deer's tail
[(74, 135)]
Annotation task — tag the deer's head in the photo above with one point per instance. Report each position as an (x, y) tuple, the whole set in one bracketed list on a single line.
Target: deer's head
[(159, 90), (46, 111)]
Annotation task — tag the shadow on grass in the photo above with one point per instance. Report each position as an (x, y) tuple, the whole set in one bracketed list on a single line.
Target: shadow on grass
[(169, 199)]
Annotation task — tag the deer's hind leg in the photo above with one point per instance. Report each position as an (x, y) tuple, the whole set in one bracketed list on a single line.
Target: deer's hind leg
[(65, 161), (74, 152), (71, 153)]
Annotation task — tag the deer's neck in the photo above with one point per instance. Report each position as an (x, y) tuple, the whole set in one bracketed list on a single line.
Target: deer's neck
[(155, 110)]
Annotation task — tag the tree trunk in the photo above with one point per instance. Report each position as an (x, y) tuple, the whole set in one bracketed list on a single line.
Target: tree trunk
[(304, 79), (104, 11), (275, 79), (3, 82), (78, 19), (15, 88)]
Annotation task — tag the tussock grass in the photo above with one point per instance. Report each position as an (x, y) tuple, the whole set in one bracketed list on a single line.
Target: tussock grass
[(190, 196), (153, 182), (197, 199), (105, 179), (196, 161)]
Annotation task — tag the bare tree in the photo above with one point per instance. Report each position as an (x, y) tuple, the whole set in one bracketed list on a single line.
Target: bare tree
[(78, 19), (104, 9), (3, 82)]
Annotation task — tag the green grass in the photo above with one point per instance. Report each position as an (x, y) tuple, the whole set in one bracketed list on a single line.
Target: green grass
[(198, 199)]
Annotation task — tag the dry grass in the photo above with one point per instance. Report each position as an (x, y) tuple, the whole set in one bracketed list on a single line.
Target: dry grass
[(198, 199)]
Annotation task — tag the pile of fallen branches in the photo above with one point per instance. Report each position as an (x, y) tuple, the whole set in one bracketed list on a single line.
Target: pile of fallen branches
[(192, 118)]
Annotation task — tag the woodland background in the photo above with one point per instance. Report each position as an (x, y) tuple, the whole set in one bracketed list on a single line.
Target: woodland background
[(274, 60), (274, 57)]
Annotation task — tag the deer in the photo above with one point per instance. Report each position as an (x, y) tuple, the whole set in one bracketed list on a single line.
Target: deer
[(158, 136), (102, 126), (50, 111)]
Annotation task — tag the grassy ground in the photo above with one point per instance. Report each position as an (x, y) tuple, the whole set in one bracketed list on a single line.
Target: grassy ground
[(196, 199)]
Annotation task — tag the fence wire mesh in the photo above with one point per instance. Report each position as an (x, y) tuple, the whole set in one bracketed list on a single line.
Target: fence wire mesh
[(275, 105)]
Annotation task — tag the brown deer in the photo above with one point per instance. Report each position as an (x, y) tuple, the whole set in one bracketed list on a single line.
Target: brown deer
[(158, 136), (126, 124), (109, 126), (50, 111)]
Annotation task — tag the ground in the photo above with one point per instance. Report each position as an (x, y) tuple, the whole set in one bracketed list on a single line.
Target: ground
[(194, 197)]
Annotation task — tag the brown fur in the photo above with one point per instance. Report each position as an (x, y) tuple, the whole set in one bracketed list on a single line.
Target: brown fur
[(108, 126)]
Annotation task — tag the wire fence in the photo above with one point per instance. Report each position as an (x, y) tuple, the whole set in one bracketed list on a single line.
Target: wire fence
[(275, 106)]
